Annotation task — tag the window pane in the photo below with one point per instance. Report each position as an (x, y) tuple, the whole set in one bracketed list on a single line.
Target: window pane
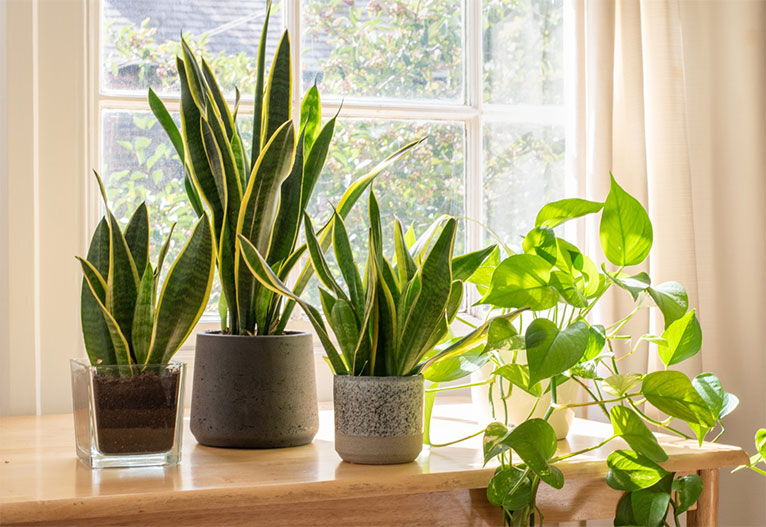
[(379, 48), (523, 51), (524, 169), (140, 40), (426, 183), (140, 164)]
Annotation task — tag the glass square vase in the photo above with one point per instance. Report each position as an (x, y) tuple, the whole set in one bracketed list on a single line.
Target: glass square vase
[(128, 416)]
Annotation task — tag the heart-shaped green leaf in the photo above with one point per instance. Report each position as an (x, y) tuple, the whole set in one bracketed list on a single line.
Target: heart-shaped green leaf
[(672, 392), (518, 375), (631, 471), (535, 443), (683, 338), (625, 231), (501, 485), (688, 490), (550, 351), (522, 280), (493, 443), (596, 342), (672, 300), (650, 506), (542, 242), (632, 284), (628, 425)]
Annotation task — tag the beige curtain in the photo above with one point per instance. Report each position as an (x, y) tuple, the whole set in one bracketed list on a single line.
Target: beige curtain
[(671, 97)]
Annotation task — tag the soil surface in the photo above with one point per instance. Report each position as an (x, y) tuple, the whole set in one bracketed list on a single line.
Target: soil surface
[(136, 415)]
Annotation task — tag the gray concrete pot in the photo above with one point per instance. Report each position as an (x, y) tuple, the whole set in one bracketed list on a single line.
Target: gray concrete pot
[(254, 391), (378, 420)]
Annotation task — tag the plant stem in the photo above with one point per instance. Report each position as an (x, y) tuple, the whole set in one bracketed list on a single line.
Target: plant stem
[(657, 423), (592, 395), (591, 403), (457, 440), (756, 469), (583, 451), (458, 387)]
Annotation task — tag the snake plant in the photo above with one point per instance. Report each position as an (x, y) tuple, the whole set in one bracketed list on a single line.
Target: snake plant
[(392, 321), (124, 322), (259, 196)]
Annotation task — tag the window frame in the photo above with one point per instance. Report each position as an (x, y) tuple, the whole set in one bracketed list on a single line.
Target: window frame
[(472, 112)]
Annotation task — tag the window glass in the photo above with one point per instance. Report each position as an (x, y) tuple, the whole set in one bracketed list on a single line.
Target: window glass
[(523, 170), (140, 40), (523, 51), (403, 49)]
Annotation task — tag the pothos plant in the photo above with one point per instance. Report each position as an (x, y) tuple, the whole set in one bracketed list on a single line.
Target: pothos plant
[(560, 341), (261, 195), (393, 319)]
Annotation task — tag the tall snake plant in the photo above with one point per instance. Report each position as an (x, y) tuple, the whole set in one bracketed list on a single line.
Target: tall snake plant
[(392, 322), (258, 196), (124, 322)]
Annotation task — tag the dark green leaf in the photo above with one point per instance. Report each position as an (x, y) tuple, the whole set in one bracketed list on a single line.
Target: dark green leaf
[(624, 514), (430, 305), (503, 482), (688, 490), (650, 505), (143, 319), (258, 95), (268, 279), (345, 259), (98, 342), (625, 231), (97, 287), (344, 325), (277, 102), (184, 294), (500, 335)]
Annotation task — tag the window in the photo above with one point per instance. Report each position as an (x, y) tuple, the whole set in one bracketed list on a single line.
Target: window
[(483, 80)]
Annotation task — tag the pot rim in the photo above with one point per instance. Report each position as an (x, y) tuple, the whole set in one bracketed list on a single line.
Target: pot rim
[(80, 361), (391, 378), (287, 334)]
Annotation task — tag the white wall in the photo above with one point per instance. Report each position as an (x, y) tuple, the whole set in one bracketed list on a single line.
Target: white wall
[(4, 344), (45, 163)]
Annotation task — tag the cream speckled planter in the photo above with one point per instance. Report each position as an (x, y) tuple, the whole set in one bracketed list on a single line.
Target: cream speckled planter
[(378, 420)]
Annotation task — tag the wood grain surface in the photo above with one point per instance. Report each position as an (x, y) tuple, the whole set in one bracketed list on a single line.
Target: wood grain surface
[(41, 480)]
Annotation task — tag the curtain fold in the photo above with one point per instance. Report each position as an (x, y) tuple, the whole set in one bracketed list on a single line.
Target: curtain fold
[(671, 97)]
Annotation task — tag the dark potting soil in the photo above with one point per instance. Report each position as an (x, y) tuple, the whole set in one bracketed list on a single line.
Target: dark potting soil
[(136, 415)]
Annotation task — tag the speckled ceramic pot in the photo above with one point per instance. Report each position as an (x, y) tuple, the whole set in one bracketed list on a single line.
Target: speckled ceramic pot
[(254, 392), (378, 420)]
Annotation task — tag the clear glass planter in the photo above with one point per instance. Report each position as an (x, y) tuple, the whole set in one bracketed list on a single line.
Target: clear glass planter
[(128, 416)]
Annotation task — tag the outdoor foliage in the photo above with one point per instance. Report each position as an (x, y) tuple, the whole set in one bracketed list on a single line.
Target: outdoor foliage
[(523, 163), (123, 320), (561, 343)]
